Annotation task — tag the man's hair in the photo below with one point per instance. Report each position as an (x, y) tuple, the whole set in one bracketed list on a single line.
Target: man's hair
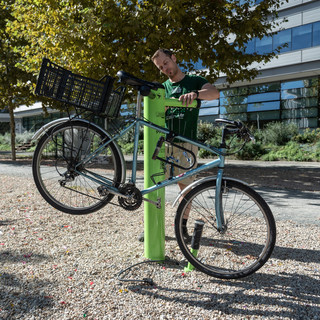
[(167, 52)]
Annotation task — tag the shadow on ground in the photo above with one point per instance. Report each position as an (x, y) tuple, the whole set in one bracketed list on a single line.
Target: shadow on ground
[(297, 295)]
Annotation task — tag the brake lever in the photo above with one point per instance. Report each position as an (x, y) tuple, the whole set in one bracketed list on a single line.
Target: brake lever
[(246, 135), (250, 136)]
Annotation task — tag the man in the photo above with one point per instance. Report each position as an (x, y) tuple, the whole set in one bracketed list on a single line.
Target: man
[(186, 88), (183, 121)]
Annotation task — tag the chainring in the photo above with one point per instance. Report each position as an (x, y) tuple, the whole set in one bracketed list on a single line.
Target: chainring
[(133, 197)]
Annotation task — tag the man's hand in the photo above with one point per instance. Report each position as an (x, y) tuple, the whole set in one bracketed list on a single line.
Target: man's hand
[(188, 98)]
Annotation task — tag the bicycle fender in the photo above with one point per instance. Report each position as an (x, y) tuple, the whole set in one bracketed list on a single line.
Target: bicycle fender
[(200, 181), (53, 123), (39, 133)]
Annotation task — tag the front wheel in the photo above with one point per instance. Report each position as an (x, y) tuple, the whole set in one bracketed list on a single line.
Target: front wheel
[(247, 239), (63, 178)]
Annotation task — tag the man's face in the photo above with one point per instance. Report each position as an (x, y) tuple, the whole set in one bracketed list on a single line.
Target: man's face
[(167, 65)]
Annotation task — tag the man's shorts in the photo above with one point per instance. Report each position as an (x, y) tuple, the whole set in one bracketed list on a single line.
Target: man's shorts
[(182, 158)]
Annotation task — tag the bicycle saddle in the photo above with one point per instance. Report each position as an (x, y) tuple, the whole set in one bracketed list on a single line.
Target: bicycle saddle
[(133, 81)]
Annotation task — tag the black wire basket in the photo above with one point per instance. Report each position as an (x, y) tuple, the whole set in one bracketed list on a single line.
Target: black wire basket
[(62, 85)]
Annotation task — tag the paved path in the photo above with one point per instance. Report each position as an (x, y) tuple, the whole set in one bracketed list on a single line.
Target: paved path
[(286, 203)]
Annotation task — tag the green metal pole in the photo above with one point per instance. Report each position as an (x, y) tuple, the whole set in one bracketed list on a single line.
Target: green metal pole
[(154, 231)]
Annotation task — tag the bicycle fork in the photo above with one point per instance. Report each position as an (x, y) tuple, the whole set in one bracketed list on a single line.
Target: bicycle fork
[(221, 223)]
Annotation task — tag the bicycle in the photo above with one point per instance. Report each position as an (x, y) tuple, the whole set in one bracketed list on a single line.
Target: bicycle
[(78, 168)]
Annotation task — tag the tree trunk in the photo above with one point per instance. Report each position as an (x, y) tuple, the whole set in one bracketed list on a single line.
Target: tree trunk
[(12, 132)]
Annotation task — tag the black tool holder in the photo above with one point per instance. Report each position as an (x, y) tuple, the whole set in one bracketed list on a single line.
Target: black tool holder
[(169, 138)]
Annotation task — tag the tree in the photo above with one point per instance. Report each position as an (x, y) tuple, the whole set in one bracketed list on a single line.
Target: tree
[(97, 37), (14, 82)]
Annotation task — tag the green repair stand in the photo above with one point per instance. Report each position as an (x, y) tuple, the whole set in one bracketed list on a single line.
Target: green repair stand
[(154, 233), (154, 224)]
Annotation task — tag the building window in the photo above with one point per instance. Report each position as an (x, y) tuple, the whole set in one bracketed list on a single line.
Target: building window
[(264, 45), (250, 46), (209, 107), (263, 106), (297, 38), (261, 97), (302, 37), (316, 34), (209, 111), (299, 93), (293, 101), (306, 83), (266, 87), (282, 38)]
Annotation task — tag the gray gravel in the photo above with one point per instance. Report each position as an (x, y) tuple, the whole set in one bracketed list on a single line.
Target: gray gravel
[(58, 266), (297, 199)]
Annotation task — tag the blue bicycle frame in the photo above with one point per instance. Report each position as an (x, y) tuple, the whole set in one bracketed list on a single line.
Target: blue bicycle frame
[(136, 124)]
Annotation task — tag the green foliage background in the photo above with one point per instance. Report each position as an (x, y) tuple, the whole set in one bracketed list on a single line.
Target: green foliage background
[(277, 141), (98, 37)]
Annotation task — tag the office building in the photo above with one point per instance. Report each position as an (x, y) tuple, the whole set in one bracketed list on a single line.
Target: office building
[(287, 88)]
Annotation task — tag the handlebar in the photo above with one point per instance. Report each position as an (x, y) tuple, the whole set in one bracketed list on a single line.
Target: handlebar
[(238, 128), (141, 85), (145, 87)]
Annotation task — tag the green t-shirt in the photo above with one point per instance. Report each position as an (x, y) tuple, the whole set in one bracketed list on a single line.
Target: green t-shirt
[(183, 121)]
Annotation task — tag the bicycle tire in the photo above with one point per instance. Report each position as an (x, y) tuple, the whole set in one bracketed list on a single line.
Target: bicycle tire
[(54, 160), (250, 233)]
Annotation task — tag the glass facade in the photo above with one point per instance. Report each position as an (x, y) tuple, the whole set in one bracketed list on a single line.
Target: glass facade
[(316, 34), (297, 38), (293, 101)]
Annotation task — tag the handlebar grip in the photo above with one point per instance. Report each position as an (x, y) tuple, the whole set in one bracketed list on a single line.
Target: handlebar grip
[(237, 124)]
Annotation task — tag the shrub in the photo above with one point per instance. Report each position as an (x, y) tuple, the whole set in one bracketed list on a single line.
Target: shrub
[(251, 151), (5, 140), (308, 136), (213, 142), (207, 132), (128, 148), (279, 133), (292, 151), (23, 137), (129, 137)]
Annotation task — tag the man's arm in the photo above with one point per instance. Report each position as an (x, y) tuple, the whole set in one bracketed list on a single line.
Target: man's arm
[(207, 92)]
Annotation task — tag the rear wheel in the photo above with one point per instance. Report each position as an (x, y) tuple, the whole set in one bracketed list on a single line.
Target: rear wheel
[(62, 180), (248, 237)]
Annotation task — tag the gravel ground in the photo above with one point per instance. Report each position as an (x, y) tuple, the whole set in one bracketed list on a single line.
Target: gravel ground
[(57, 266)]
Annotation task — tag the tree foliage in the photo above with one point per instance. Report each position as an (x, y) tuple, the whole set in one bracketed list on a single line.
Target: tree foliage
[(14, 82), (98, 37)]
